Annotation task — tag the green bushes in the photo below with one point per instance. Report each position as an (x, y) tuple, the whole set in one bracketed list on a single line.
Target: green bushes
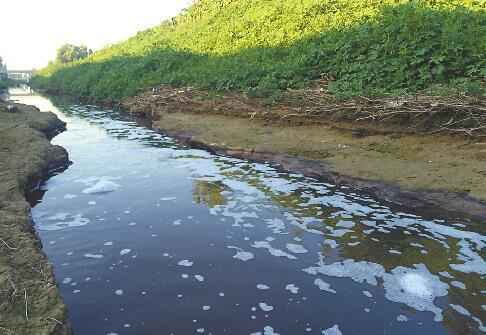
[(3, 85), (261, 46)]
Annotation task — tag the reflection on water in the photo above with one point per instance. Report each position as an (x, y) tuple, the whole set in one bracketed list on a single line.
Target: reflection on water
[(150, 237)]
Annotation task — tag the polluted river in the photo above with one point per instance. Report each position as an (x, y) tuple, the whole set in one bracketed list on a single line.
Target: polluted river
[(148, 236)]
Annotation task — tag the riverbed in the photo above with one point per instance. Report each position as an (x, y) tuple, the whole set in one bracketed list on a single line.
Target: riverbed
[(148, 236)]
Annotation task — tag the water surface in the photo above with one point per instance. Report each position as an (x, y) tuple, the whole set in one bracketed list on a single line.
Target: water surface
[(151, 237)]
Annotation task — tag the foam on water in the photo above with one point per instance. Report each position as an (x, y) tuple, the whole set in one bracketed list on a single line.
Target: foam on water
[(265, 307), (102, 186), (78, 220), (296, 248), (267, 330), (323, 286), (185, 262), (125, 251), (240, 254), (334, 330), (273, 251), (358, 271), (415, 287), (292, 288), (276, 225), (95, 256)]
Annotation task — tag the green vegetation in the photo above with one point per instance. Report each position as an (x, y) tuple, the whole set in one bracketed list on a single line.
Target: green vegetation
[(70, 53), (362, 47), (3, 84)]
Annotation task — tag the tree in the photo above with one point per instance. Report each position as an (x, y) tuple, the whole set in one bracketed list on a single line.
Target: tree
[(69, 53)]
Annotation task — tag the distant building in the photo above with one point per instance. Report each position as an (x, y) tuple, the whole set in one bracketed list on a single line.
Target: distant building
[(3, 71)]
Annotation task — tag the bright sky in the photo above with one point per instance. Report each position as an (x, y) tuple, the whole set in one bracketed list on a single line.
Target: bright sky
[(32, 30)]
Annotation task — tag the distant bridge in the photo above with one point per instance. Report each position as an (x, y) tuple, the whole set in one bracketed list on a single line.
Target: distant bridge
[(20, 75)]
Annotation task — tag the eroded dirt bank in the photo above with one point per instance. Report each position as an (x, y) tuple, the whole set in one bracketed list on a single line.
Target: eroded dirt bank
[(29, 299), (420, 153)]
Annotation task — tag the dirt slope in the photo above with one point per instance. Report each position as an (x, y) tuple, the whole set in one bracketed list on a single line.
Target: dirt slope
[(29, 299), (408, 152)]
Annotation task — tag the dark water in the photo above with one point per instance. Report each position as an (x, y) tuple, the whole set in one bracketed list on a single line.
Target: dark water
[(150, 237)]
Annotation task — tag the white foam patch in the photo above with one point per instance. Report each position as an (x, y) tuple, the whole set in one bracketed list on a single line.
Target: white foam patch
[(446, 274), (69, 196), (185, 262), (472, 261), (292, 288), (339, 232), (262, 287), (77, 221), (58, 217), (206, 308), (93, 256), (125, 251), (279, 185), (402, 318), (265, 307), (345, 224), (168, 198), (461, 310), (108, 243), (323, 285), (67, 280), (267, 330), (243, 187), (368, 294), (240, 254), (199, 278), (119, 292), (296, 248), (415, 287), (358, 271), (273, 251), (102, 186), (91, 202), (276, 225), (334, 330), (331, 243), (458, 284)]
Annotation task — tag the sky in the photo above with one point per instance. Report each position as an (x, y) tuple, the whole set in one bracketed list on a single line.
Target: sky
[(32, 30)]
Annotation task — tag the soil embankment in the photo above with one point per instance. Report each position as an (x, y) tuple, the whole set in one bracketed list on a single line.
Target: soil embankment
[(426, 152), (29, 299)]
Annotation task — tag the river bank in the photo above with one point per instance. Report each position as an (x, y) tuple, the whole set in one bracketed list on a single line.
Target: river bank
[(416, 153), (30, 301)]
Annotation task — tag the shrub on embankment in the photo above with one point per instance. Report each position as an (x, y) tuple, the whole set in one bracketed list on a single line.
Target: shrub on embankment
[(363, 47)]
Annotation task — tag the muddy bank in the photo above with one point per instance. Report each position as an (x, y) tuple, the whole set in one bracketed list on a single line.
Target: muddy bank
[(406, 161), (29, 299)]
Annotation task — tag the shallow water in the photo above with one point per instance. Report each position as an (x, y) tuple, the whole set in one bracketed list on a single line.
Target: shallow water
[(151, 237)]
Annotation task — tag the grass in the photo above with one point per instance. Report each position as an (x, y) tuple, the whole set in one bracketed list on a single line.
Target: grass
[(261, 47)]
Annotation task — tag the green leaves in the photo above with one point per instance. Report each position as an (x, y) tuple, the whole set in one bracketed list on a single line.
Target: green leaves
[(265, 46)]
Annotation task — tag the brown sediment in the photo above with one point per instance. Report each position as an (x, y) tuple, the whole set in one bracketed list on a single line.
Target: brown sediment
[(30, 302), (413, 161)]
